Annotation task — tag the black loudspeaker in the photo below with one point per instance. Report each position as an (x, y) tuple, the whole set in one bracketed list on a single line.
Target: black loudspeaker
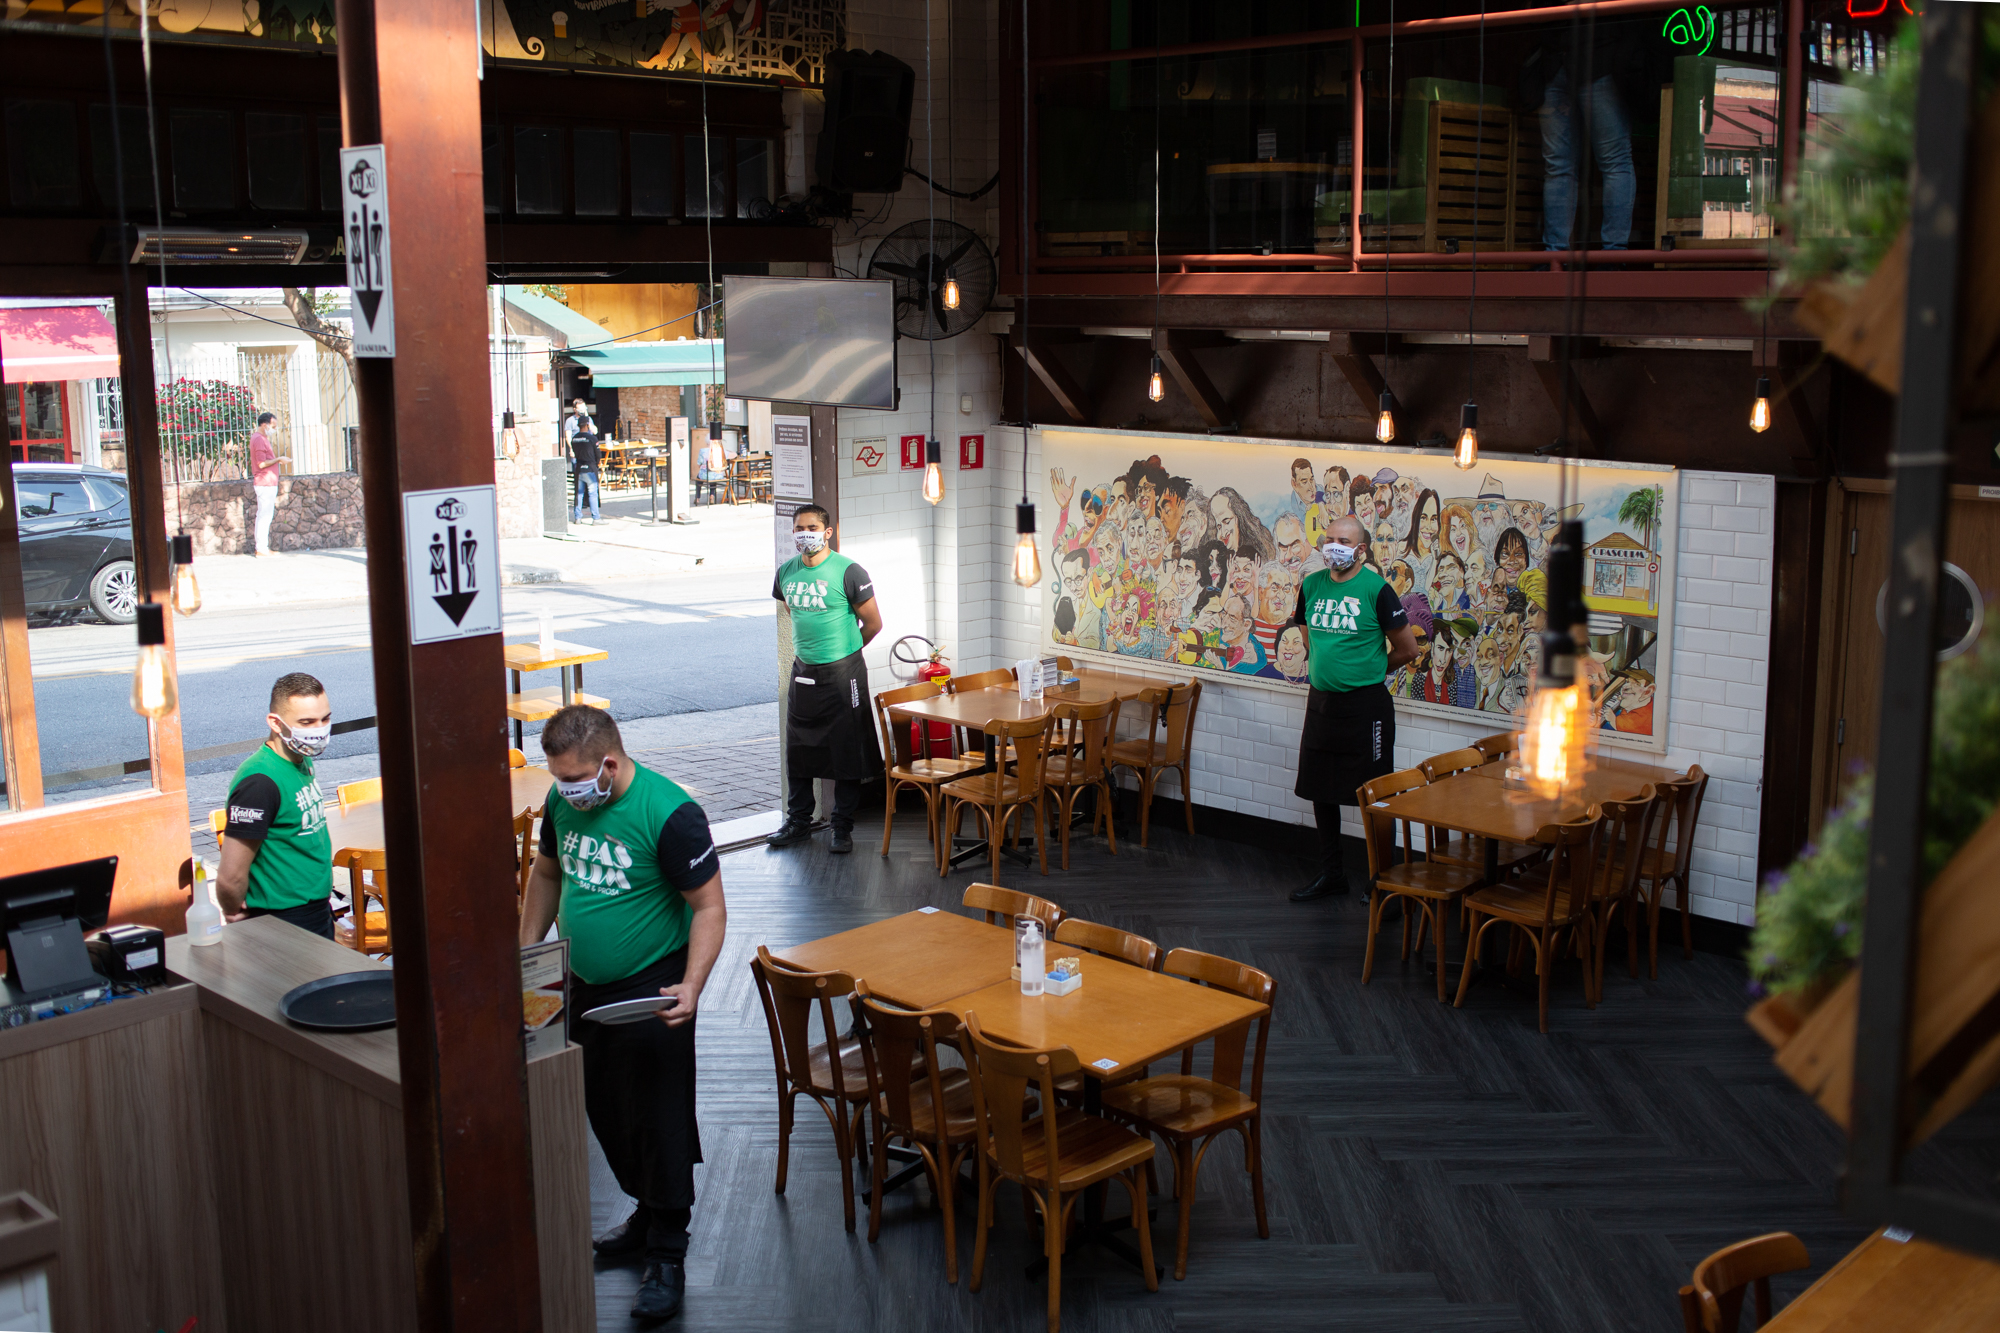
[(865, 138)]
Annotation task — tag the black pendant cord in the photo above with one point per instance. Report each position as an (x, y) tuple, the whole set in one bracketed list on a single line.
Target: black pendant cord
[(1478, 161), (1157, 68), (1026, 241), (930, 216), (708, 230), (160, 225), (1388, 194)]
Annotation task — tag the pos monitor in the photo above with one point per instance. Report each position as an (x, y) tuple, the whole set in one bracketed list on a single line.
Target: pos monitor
[(44, 914)]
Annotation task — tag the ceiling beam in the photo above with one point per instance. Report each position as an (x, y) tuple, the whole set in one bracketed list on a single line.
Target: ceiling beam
[(1546, 355), (1176, 352), (1055, 377), (1362, 373)]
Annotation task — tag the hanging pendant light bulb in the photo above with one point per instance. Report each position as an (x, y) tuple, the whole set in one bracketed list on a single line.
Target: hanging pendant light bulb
[(1385, 418), (951, 291), (1156, 383), (510, 436), (153, 692), (187, 592), (1027, 560), (933, 471), (1467, 452), (1556, 738), (1760, 410)]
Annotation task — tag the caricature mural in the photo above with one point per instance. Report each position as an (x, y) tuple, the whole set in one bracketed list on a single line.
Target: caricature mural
[(1193, 554)]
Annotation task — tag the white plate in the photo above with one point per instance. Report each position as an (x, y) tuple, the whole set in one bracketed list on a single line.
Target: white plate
[(630, 1011)]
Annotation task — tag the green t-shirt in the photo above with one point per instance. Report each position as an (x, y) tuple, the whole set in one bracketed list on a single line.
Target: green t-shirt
[(822, 599), (1346, 628), (625, 866), (275, 803)]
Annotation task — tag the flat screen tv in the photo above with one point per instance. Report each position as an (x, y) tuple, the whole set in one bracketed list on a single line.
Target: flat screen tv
[(810, 340)]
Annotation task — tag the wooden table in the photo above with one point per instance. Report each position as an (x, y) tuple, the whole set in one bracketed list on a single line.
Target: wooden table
[(750, 471), (1888, 1284), (537, 705), (1480, 802), (361, 826), (918, 960)]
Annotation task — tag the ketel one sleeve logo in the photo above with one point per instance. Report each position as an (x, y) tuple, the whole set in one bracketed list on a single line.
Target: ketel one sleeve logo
[(452, 569)]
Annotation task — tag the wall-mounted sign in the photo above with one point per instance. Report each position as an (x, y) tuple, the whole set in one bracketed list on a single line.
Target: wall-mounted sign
[(364, 213), (913, 453), (971, 452), (871, 457), (791, 457), (452, 554)]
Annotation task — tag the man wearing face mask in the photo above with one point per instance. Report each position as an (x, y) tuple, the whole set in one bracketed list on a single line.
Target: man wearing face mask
[(277, 856), (829, 729), (1356, 634)]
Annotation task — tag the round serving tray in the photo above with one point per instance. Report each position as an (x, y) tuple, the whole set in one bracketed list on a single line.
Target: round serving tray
[(348, 1002)]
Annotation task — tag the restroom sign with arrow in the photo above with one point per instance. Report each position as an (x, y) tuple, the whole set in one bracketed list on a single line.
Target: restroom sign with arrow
[(452, 555), (364, 225)]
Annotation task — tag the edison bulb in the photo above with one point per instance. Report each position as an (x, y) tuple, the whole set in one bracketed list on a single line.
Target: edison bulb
[(1027, 561), (1156, 384), (153, 692), (1553, 741), (1467, 452), (1385, 420), (510, 441), (187, 591), (1760, 410), (933, 482), (950, 299)]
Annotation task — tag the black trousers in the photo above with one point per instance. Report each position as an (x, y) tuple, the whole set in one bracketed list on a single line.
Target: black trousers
[(316, 917), (638, 1090), (1326, 814), (799, 801)]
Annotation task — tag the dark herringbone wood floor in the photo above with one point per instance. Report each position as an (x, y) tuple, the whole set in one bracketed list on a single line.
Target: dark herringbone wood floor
[(1427, 1168)]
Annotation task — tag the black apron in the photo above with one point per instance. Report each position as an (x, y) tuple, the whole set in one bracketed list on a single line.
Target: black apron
[(830, 723), (1349, 738)]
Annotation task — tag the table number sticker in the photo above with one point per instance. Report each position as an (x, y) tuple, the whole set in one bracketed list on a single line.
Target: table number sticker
[(1104, 1064), (927, 910)]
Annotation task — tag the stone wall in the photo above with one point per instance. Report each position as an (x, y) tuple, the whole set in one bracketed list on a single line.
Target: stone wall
[(314, 513), (518, 482)]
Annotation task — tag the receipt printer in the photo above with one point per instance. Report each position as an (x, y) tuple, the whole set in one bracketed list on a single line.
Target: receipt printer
[(135, 954)]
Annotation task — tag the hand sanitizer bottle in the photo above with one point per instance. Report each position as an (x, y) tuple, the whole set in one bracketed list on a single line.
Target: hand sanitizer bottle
[(204, 917), (1034, 967), (546, 641)]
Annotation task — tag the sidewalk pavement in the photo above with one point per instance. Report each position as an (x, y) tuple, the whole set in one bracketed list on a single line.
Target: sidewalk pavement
[(626, 545)]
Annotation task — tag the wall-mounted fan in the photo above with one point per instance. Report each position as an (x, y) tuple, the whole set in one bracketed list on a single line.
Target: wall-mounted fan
[(921, 257)]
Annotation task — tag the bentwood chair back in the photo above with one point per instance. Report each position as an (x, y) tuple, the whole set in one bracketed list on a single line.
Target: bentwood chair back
[(904, 766), (1053, 1153), (967, 738), (1714, 1301), (1467, 851), (1545, 905), (919, 1100), (1003, 907), (1666, 868), (1168, 743), (831, 1072), (364, 929), (1003, 796), (352, 794), (1497, 746), (515, 759), (1627, 832), (1079, 734), (524, 855), (1433, 885), (217, 821), (1188, 1111), (1450, 762), (1109, 942)]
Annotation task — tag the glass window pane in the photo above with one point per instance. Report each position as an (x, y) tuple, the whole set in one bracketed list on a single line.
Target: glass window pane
[(42, 169), (138, 160), (489, 140), (654, 192), (204, 166), (538, 169), (1838, 50), (714, 168), (329, 164), (755, 163), (105, 492), (597, 173), (277, 153)]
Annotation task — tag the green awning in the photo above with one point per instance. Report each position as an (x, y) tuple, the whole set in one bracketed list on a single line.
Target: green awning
[(638, 364)]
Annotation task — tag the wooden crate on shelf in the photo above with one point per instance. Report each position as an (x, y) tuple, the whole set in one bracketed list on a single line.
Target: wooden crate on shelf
[(1489, 157)]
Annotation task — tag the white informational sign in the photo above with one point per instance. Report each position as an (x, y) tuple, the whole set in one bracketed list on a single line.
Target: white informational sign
[(679, 466), (451, 547), (364, 213), (791, 457), (783, 511), (677, 432), (871, 457)]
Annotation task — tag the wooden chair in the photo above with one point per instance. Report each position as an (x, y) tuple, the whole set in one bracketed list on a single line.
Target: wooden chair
[(515, 759), (1714, 1302), (352, 794), (1663, 869), (363, 929), (1627, 833), (1080, 733), (1168, 743), (218, 820), (1003, 907), (1054, 1155), (1435, 886), (918, 1100), (833, 1073), (524, 855), (1190, 1113), (1497, 746), (1545, 906), (969, 739), (1000, 796), (1109, 942), (1467, 850), (903, 767)]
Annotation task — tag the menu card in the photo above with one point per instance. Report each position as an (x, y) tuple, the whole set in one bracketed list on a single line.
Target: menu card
[(545, 997)]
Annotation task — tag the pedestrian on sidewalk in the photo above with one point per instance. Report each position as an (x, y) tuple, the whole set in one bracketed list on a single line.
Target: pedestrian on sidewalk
[(829, 731), (264, 479), (580, 431)]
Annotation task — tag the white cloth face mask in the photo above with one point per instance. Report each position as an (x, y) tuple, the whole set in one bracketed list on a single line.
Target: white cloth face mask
[(585, 795), (810, 542), (1339, 556), (308, 742)]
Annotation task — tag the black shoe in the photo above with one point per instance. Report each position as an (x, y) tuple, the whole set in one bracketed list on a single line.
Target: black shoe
[(790, 832), (625, 1241), (661, 1291), (1326, 886), (843, 841)]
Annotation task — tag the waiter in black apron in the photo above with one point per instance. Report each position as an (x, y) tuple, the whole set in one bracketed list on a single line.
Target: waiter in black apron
[(1356, 634), (829, 723)]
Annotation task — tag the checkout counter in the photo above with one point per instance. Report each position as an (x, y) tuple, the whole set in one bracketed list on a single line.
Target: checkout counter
[(203, 1157)]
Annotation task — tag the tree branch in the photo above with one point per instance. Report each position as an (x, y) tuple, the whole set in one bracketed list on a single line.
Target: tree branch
[(321, 332)]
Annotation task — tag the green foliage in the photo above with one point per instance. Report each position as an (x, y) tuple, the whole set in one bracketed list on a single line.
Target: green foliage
[(207, 419), (548, 289), (1809, 917)]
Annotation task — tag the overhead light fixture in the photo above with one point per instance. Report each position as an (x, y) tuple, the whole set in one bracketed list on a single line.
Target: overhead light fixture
[(1467, 453), (1385, 417), (1027, 560), (200, 245), (1156, 384), (1760, 410), (153, 692), (1555, 742), (187, 592), (933, 471), (951, 291), (510, 435)]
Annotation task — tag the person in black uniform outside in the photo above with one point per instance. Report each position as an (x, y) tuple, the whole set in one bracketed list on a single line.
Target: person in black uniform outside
[(829, 722), (1356, 634), (629, 871), (580, 435)]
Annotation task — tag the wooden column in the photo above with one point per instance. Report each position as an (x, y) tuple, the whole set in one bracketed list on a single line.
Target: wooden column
[(408, 81)]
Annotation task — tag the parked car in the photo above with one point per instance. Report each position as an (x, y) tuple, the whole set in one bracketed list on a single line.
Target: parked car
[(76, 541)]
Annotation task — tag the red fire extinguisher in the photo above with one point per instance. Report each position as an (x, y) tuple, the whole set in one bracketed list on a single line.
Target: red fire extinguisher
[(939, 732)]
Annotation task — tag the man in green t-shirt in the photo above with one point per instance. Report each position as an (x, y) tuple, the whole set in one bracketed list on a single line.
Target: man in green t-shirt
[(277, 856), (829, 728), (1356, 634), (629, 872)]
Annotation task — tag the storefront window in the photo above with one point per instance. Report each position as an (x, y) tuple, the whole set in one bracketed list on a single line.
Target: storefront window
[(707, 176), (38, 422), (755, 163), (1838, 50)]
